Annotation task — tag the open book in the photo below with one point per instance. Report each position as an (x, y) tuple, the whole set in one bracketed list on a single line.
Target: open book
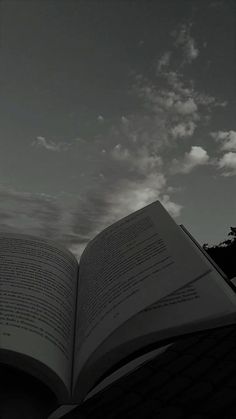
[(139, 282)]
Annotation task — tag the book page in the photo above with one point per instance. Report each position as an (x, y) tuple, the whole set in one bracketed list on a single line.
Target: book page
[(201, 300), (38, 283), (199, 305), (123, 371), (130, 265)]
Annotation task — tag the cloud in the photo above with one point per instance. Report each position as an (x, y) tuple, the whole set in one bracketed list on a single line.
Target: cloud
[(141, 160), (173, 208), (124, 120), (226, 138), (164, 61), (132, 195), (140, 148), (119, 200), (197, 156), (173, 99), (228, 162), (184, 129), (133, 178), (40, 215), (227, 141), (187, 43), (175, 108), (100, 118), (136, 194), (29, 212), (137, 155), (42, 142), (186, 107), (175, 81)]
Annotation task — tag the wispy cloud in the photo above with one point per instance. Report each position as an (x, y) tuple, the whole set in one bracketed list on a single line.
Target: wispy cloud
[(173, 100), (42, 142), (178, 109), (139, 159), (120, 199), (39, 214), (100, 118), (138, 156), (186, 42), (27, 212), (164, 61)]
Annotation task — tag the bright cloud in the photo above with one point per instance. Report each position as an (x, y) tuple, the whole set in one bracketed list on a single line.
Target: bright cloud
[(173, 208), (226, 138), (135, 194), (197, 156), (228, 162), (130, 196)]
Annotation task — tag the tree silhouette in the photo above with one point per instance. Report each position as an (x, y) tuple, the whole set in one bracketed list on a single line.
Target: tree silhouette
[(224, 253)]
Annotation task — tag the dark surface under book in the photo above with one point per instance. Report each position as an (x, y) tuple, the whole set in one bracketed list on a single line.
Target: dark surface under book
[(195, 378)]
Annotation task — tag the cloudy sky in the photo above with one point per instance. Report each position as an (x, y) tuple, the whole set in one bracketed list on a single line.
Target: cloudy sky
[(107, 106)]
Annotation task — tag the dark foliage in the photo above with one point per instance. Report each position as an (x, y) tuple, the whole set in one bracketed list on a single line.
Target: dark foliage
[(224, 254)]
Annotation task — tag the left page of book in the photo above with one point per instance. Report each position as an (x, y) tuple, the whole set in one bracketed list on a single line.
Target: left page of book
[(38, 284)]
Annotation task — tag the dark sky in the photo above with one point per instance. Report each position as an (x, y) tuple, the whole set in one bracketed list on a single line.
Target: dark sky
[(107, 106)]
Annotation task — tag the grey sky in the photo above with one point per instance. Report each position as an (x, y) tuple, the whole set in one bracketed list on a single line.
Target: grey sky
[(107, 106)]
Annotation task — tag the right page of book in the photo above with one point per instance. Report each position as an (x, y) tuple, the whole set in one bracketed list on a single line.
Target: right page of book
[(202, 302), (130, 265), (206, 303)]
